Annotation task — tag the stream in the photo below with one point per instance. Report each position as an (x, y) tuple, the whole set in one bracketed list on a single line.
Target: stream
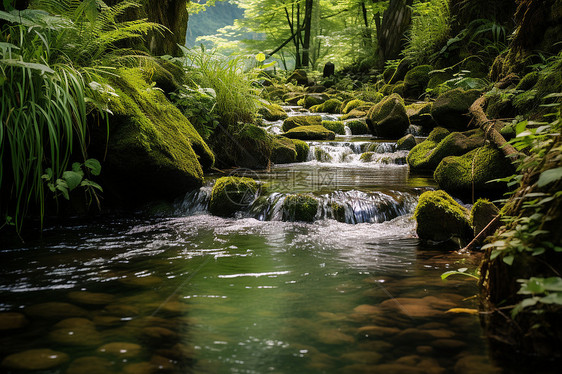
[(181, 291)]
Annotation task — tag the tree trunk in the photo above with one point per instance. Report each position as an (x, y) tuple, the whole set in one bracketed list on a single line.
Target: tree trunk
[(307, 32), (390, 33)]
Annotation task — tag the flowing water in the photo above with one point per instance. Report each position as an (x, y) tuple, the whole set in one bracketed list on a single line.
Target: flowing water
[(183, 291)]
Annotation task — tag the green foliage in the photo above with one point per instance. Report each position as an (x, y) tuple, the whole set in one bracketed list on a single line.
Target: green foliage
[(545, 291), (71, 179), (235, 93), (198, 105), (461, 271), (429, 30), (462, 79)]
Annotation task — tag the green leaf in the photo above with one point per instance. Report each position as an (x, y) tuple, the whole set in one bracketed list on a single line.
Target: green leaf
[(549, 176), (72, 179), (89, 183), (553, 298), (508, 259), (63, 188), (94, 166)]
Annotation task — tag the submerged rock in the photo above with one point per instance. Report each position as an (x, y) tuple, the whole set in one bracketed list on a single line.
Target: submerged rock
[(120, 349), (231, 194), (296, 121), (450, 109), (76, 336), (35, 359), (388, 118), (310, 133), (439, 217), (91, 298), (90, 365), (12, 321), (474, 170), (300, 207), (55, 310)]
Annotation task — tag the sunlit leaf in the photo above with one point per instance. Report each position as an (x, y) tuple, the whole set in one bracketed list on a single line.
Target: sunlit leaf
[(549, 176)]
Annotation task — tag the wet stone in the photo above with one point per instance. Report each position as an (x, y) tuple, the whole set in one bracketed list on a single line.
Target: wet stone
[(107, 321), (396, 368), (55, 310), (473, 364), (424, 349), (364, 357), (74, 322), (378, 330), (121, 349), (12, 321), (334, 336), (179, 352), (91, 298), (448, 345), (148, 281), (90, 365), (139, 368), (120, 310), (35, 359), (174, 308), (82, 336), (159, 335)]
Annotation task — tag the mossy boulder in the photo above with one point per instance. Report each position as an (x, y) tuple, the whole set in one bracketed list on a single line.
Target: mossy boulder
[(296, 121), (439, 218), (329, 106), (440, 144), (528, 81), (302, 149), (247, 146), (300, 207), (350, 105), (450, 109), (231, 194), (315, 132), (416, 81), (358, 127), (388, 118), (152, 150), (299, 77), (359, 112), (420, 114), (336, 126), (34, 359), (272, 112), (167, 76), (284, 151), (459, 174), (406, 143), (482, 213), (311, 100), (398, 89), (500, 105)]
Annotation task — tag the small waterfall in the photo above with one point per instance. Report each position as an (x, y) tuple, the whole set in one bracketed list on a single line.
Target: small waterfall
[(345, 206), (359, 153), (347, 131)]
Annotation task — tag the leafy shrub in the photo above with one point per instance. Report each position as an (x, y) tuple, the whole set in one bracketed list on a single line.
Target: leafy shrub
[(198, 105)]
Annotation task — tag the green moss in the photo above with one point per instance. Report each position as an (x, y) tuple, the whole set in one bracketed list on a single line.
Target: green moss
[(388, 73), (272, 112), (458, 174), (482, 212), (420, 114), (153, 150), (439, 217), (359, 112), (352, 104), (296, 121), (406, 143), (335, 126), (398, 88), (416, 81), (311, 100), (338, 211), (302, 149), (166, 75), (528, 81), (367, 156), (429, 153), (370, 97), (284, 151), (388, 118), (231, 194), (329, 106), (247, 146), (315, 132), (450, 109), (358, 127), (300, 207)]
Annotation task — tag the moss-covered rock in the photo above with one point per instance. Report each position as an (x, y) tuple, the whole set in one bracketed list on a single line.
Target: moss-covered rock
[(336, 126), (315, 132), (482, 213), (350, 105), (439, 217), (406, 143), (300, 207), (450, 109), (34, 359), (499, 105), (359, 112), (152, 151), (329, 106), (440, 144), (296, 121), (458, 174), (299, 77), (311, 100), (528, 81), (416, 81), (231, 194), (272, 112), (166, 75), (420, 114), (388, 118), (338, 211), (302, 149), (284, 151), (247, 146), (358, 127), (398, 89)]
